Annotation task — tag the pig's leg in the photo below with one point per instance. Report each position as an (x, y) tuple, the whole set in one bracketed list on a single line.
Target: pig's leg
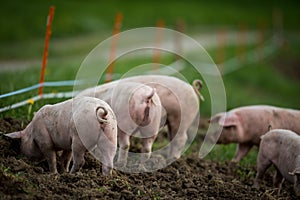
[(263, 163), (45, 145), (107, 164), (51, 159), (124, 144), (297, 185), (65, 160), (78, 151), (105, 152), (146, 148), (241, 151), (277, 179), (178, 138)]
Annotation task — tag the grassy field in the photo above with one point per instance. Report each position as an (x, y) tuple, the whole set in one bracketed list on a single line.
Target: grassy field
[(79, 26)]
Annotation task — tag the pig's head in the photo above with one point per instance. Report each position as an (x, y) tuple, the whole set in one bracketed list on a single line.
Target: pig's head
[(230, 126), (142, 103), (296, 174), (28, 146)]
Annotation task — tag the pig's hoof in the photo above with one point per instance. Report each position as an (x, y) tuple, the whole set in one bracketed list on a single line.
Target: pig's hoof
[(120, 165), (107, 172)]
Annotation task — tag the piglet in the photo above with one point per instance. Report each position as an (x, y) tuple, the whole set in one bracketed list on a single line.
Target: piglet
[(245, 125), (73, 126), (281, 148)]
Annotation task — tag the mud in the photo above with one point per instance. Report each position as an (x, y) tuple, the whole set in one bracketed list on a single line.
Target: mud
[(186, 178)]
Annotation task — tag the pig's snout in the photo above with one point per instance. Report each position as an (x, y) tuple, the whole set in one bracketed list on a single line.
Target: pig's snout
[(101, 114)]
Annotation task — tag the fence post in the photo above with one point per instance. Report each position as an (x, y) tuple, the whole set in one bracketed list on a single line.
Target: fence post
[(158, 40), (117, 28), (45, 55)]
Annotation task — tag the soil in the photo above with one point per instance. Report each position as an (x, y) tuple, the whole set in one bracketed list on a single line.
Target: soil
[(186, 178)]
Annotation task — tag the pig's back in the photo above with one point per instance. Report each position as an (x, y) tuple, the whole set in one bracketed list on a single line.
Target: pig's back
[(263, 116), (168, 87)]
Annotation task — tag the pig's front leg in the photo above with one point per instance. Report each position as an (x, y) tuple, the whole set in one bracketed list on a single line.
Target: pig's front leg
[(65, 160), (124, 145), (241, 151), (44, 143), (263, 164)]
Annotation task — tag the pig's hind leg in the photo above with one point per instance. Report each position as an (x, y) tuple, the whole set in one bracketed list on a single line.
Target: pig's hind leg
[(78, 151), (124, 145), (177, 137), (65, 160), (146, 149), (277, 178), (263, 163)]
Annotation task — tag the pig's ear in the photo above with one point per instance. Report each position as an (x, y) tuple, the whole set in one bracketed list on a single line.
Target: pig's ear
[(229, 119), (15, 135), (216, 118)]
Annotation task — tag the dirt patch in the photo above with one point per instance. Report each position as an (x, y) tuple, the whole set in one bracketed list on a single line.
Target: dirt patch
[(188, 177)]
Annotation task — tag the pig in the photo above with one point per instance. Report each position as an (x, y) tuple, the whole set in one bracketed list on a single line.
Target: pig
[(137, 108), (73, 127), (180, 106), (281, 148), (245, 125)]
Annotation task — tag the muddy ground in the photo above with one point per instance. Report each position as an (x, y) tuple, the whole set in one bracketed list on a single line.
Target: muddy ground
[(187, 178)]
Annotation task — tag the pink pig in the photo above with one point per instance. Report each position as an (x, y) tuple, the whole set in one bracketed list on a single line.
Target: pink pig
[(281, 148), (137, 108), (245, 125), (73, 126), (181, 106)]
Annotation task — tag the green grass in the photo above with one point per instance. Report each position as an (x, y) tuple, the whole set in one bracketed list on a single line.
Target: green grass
[(226, 152)]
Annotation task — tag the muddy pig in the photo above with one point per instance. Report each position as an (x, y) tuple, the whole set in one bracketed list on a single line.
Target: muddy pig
[(137, 108), (245, 125), (281, 148), (73, 126)]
